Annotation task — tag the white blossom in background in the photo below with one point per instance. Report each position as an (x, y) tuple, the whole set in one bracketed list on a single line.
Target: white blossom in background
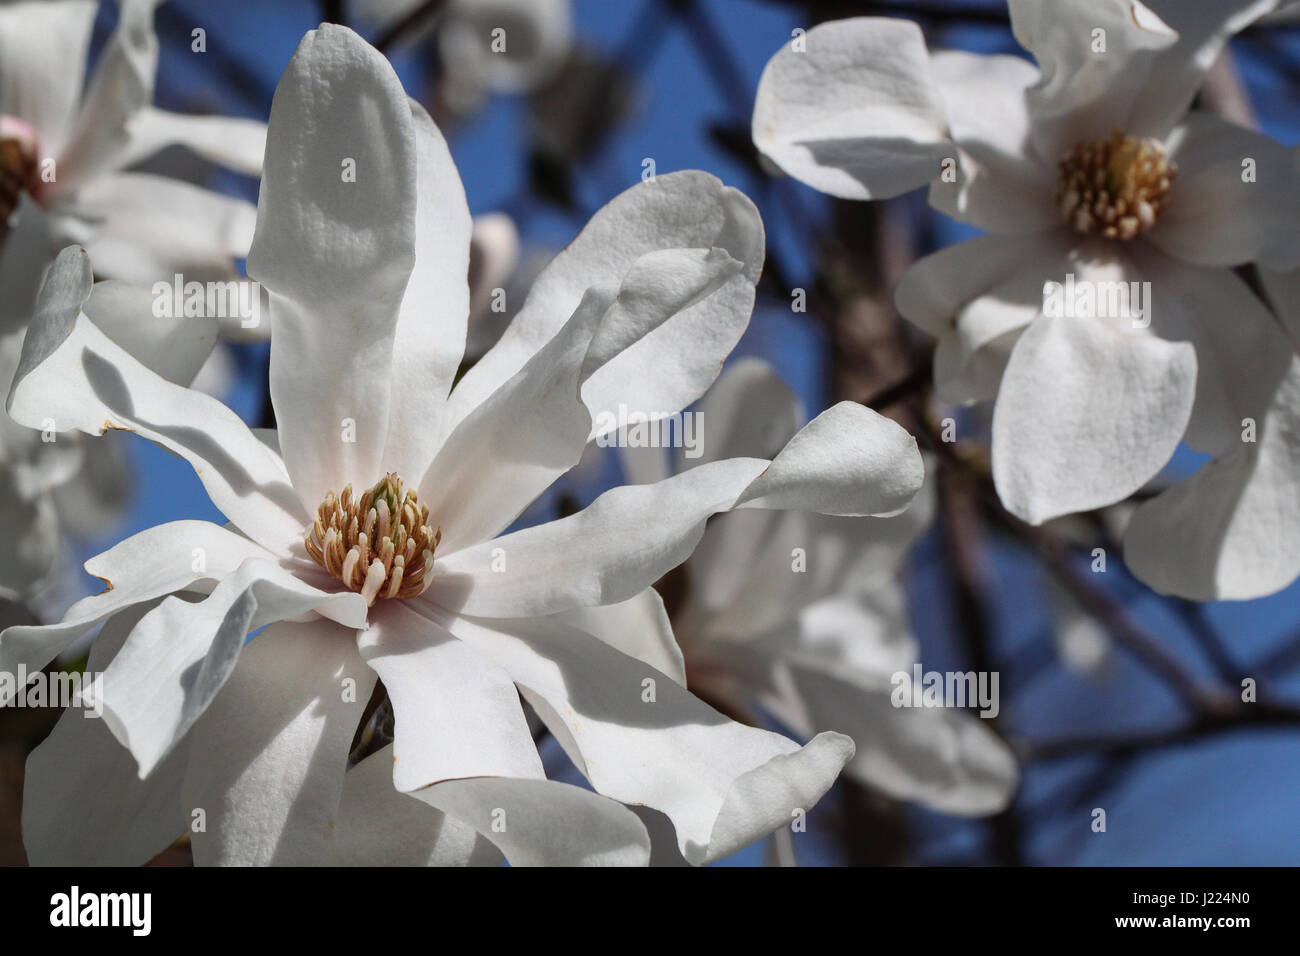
[(64, 157), (1087, 165), (30, 470), (495, 291), (366, 536), (504, 46), (487, 46), (63, 178), (803, 614), (54, 483)]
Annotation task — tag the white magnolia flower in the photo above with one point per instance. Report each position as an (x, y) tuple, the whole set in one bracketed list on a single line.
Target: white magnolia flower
[(803, 613), (64, 154), (1086, 171), (366, 536), (62, 179)]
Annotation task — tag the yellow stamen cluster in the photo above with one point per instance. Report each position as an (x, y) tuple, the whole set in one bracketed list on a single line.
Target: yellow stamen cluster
[(380, 544), (1114, 187), (19, 173)]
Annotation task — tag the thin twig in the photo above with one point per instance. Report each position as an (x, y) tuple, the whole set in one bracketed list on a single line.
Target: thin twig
[(407, 24)]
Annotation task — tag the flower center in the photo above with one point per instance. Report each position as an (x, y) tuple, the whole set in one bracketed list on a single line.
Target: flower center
[(380, 544), (19, 166), (1114, 187)]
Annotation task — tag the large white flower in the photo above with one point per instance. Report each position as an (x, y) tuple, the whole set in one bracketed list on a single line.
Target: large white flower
[(1087, 168), (803, 613), (366, 535), (63, 156)]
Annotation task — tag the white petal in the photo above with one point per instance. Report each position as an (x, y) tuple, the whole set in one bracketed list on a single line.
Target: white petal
[(377, 823), (946, 759), (148, 565), (543, 822), (854, 555), (937, 287), (225, 140), (531, 430), (848, 461), (835, 668), (335, 255), (84, 803), (455, 714), (723, 784), (430, 337), (270, 754), (663, 838), (1084, 93), (1217, 214), (744, 580), (71, 373), (684, 210), (1002, 184), (639, 627), (1203, 31), (121, 86), (643, 465), (523, 436), (175, 348), (605, 553), (854, 113), (863, 632), (651, 351), (976, 297), (742, 575), (34, 466), (150, 228), (1086, 415), (1229, 531), (1238, 363), (748, 413), (42, 63), (180, 655)]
